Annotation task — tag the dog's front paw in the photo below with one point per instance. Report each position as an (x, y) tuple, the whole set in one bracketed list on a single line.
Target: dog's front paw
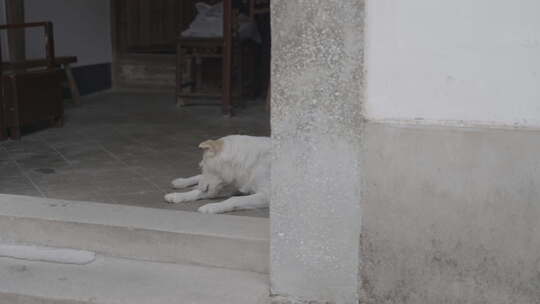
[(181, 183), (212, 208), (175, 198)]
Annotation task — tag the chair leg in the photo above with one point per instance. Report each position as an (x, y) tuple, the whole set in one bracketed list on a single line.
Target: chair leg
[(192, 71), (58, 122), (180, 101), (227, 85), (180, 72), (227, 62), (240, 71), (197, 74), (15, 133), (72, 85), (3, 135)]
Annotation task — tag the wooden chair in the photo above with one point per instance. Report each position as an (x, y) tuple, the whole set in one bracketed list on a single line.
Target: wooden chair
[(191, 51), (257, 9), (31, 95), (3, 130)]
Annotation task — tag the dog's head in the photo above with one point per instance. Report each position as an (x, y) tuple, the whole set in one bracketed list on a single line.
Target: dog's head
[(211, 147)]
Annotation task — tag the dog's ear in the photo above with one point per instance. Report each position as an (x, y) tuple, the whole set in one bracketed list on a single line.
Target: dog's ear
[(214, 146)]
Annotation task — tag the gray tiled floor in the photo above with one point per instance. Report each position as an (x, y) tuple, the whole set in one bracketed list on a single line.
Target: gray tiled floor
[(121, 148)]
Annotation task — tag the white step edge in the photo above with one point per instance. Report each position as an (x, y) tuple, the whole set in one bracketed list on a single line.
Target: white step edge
[(159, 235), (110, 280), (46, 254)]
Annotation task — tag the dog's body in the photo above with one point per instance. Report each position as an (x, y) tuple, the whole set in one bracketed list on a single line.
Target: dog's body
[(232, 164)]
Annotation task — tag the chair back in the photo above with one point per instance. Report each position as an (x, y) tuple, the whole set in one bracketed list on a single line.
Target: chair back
[(258, 7), (17, 66), (49, 44)]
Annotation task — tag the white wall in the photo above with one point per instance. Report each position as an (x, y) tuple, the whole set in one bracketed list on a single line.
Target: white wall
[(452, 60), (81, 27)]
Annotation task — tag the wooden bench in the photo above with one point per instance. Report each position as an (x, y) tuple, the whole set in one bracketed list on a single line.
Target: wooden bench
[(64, 61), (30, 95)]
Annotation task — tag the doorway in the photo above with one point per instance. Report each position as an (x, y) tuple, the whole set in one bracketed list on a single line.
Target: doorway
[(124, 145)]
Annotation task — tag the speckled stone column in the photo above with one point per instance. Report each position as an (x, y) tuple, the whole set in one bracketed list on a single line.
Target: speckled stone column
[(317, 95)]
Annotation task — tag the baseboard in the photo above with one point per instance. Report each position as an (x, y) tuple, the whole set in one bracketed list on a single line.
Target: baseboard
[(91, 78)]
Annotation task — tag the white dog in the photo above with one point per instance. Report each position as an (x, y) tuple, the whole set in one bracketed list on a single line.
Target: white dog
[(233, 164)]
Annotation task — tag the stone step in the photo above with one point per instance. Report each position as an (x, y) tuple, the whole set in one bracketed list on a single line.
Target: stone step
[(109, 280), (158, 235)]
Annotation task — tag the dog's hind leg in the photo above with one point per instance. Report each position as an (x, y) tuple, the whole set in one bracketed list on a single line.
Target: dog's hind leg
[(181, 183), (254, 201)]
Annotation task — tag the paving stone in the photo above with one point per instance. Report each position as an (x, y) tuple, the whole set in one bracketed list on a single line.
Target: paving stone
[(9, 168), (124, 281)]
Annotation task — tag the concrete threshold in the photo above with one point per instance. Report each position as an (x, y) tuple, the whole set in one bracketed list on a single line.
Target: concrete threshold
[(110, 280), (157, 235)]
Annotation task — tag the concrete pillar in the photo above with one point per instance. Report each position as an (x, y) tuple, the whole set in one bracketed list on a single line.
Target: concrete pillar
[(317, 95)]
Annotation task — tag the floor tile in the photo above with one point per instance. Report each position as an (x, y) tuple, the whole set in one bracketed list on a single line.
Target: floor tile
[(42, 161), (17, 185), (9, 168)]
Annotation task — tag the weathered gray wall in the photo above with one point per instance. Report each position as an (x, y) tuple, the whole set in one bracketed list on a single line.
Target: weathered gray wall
[(451, 215), (316, 127)]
